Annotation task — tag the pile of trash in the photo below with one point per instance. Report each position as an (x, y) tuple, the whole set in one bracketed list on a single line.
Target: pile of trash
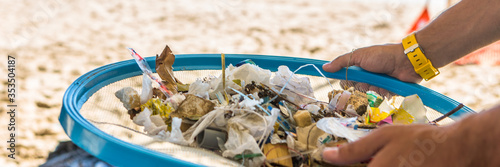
[(248, 116)]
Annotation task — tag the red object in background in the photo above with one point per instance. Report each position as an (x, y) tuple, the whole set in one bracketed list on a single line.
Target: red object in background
[(422, 20), (489, 55)]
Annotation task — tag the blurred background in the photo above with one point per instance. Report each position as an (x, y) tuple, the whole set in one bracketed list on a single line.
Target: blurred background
[(56, 41)]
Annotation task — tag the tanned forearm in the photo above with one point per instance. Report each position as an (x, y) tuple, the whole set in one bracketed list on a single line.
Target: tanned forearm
[(463, 28), (477, 136)]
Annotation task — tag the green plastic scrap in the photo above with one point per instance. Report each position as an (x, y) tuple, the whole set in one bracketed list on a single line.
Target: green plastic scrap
[(374, 100), (247, 61), (327, 139)]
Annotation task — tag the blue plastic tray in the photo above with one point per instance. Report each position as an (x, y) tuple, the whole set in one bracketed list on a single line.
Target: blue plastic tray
[(120, 153)]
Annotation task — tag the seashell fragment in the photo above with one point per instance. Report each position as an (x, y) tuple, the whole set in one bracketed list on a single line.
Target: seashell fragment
[(129, 97)]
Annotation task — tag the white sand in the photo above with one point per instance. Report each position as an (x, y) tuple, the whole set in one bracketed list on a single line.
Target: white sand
[(56, 41)]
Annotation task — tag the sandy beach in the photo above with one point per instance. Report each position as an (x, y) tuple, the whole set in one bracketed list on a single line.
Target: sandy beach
[(56, 41)]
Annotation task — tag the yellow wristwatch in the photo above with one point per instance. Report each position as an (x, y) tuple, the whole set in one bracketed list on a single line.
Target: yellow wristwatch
[(421, 64)]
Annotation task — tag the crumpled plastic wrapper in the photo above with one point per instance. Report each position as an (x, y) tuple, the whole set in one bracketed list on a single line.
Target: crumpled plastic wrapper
[(248, 73), (297, 84), (203, 123), (333, 126), (175, 135), (176, 100), (412, 110), (243, 132), (313, 109), (380, 113), (151, 126), (249, 103), (199, 88), (239, 140), (245, 73), (147, 89), (255, 124)]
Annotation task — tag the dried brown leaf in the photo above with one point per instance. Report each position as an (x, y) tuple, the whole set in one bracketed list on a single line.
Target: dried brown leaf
[(164, 68)]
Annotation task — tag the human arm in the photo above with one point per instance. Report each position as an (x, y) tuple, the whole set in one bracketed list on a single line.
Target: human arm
[(473, 141), (458, 31)]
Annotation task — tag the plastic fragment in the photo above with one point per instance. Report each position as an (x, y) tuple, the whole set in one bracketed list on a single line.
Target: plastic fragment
[(199, 88), (157, 107), (415, 107), (313, 109), (246, 61), (343, 99), (150, 127), (374, 100), (403, 117), (209, 138), (176, 100), (202, 124), (380, 113), (147, 89), (412, 110), (143, 65), (240, 141), (297, 84), (176, 133), (334, 127)]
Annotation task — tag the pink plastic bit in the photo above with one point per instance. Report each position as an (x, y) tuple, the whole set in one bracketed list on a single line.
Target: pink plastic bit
[(147, 70)]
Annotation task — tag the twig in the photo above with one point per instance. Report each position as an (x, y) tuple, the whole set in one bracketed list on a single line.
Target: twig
[(447, 114)]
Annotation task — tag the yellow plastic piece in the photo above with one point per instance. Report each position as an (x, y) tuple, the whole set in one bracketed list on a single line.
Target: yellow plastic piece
[(275, 151), (276, 126), (158, 108), (402, 117), (421, 64), (377, 115)]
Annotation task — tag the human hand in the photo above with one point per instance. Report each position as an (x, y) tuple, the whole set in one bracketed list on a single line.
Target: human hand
[(407, 145), (387, 59)]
